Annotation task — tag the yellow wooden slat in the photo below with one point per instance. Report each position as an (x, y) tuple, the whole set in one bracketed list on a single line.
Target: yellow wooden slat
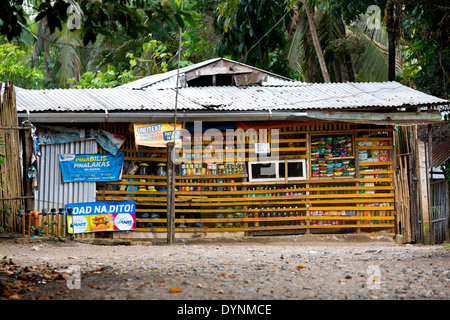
[(386, 163), (240, 192), (376, 172), (374, 147), (224, 151), (374, 130), (190, 177), (145, 159), (274, 219), (374, 139), (284, 209), (375, 180), (287, 227)]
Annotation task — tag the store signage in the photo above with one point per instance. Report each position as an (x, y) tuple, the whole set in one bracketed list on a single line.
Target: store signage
[(101, 216), (91, 167), (157, 134)]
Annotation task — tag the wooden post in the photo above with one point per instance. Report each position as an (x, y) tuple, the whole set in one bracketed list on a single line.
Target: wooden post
[(429, 169), (170, 194), (423, 191), (412, 183), (28, 152)]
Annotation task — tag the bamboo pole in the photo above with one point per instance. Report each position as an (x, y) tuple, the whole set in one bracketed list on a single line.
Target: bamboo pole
[(11, 174)]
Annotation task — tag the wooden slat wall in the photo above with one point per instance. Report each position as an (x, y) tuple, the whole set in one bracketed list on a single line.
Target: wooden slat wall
[(229, 202)]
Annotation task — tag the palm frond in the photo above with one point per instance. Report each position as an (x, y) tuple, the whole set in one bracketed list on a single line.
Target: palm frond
[(69, 44)]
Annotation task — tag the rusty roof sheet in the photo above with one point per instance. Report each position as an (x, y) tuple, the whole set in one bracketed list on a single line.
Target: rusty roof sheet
[(440, 152), (168, 80)]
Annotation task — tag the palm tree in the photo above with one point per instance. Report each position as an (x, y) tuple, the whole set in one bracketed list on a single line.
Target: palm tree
[(351, 52)]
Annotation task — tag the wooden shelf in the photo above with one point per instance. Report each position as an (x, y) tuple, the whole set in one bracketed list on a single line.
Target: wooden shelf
[(334, 158)]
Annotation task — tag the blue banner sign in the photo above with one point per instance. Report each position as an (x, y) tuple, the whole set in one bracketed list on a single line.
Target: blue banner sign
[(91, 167)]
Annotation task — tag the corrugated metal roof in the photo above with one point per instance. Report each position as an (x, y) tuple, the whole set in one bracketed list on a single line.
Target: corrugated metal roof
[(313, 96), (441, 152), (306, 97), (168, 79), (85, 100)]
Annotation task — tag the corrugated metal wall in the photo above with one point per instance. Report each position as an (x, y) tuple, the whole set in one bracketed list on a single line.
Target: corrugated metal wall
[(52, 192)]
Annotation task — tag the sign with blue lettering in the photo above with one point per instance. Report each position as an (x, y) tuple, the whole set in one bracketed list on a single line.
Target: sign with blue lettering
[(157, 134), (91, 167), (101, 216)]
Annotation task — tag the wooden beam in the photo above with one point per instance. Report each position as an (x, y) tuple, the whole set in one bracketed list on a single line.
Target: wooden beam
[(423, 191), (170, 195), (405, 118)]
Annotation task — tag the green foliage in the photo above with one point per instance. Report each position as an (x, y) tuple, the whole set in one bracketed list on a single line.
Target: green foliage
[(6, 212), (13, 68), (427, 47), (257, 33), (110, 79), (200, 40), (2, 146), (154, 58), (108, 16), (445, 167)]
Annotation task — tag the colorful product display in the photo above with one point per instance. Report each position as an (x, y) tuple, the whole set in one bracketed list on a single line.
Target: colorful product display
[(190, 169), (331, 147), (373, 155), (332, 168), (328, 156)]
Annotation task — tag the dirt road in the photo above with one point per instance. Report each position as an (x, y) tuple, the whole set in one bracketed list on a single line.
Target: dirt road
[(287, 268)]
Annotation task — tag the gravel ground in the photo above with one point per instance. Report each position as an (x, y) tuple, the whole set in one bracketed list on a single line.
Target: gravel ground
[(280, 268)]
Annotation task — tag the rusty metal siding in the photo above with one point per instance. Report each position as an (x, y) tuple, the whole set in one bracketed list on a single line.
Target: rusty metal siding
[(52, 192)]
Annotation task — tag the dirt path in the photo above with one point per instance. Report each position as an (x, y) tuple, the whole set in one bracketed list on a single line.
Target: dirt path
[(289, 269)]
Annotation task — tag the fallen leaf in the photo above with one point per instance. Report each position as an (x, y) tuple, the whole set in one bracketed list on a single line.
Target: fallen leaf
[(15, 297), (223, 274), (66, 276), (341, 281), (175, 290), (6, 294), (300, 266), (199, 285), (93, 286), (219, 291), (43, 298)]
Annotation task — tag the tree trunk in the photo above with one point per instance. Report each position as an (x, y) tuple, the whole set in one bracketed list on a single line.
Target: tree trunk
[(393, 27), (46, 52), (316, 42)]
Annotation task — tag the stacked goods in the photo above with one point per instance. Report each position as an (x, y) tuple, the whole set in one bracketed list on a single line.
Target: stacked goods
[(331, 147), (327, 153), (330, 213), (188, 169), (332, 168), (373, 155)]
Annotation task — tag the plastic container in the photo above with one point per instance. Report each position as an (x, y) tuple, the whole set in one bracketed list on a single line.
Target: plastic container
[(144, 169), (161, 169)]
